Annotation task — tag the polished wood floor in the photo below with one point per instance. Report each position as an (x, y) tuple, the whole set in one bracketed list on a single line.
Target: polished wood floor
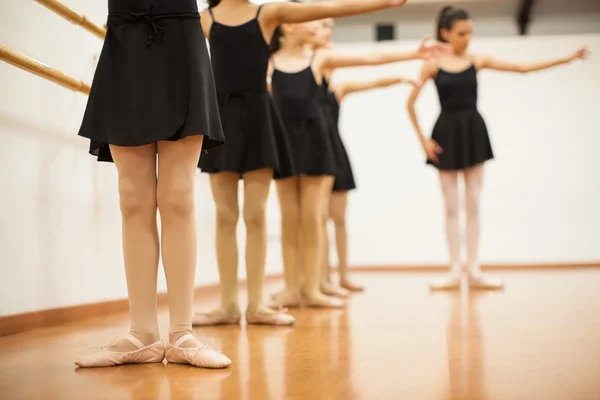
[(537, 340)]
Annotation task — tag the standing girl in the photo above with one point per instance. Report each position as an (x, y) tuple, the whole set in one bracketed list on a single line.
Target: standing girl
[(256, 150), (153, 93), (304, 199), (460, 144), (344, 178)]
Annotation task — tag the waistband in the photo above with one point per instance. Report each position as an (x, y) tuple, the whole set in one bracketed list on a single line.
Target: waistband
[(458, 107), (158, 6)]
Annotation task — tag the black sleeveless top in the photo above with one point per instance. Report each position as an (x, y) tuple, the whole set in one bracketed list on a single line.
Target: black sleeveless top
[(240, 56), (300, 101), (460, 130), (254, 136), (457, 90)]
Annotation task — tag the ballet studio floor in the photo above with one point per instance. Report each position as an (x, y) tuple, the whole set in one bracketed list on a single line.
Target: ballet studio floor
[(537, 340)]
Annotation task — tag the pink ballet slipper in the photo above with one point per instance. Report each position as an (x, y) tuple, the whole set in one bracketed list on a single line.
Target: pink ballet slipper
[(104, 357), (201, 356)]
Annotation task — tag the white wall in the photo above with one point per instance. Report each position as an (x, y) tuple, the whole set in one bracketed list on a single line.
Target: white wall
[(60, 237), (540, 202)]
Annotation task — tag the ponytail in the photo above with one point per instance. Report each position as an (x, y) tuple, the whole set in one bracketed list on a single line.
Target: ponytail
[(446, 19)]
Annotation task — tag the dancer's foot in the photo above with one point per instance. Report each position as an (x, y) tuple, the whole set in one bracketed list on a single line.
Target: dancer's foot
[(108, 357), (332, 290), (351, 286), (319, 300), (286, 299), (481, 282), (267, 316), (218, 316), (188, 350), (450, 282)]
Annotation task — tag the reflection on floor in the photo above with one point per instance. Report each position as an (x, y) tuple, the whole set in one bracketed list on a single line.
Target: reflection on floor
[(537, 340)]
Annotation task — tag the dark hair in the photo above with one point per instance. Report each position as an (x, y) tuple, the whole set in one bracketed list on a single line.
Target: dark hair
[(213, 3), (448, 16)]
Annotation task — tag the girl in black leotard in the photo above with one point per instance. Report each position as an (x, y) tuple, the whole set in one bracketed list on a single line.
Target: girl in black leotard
[(344, 178), (460, 142), (304, 198), (255, 150), (153, 93)]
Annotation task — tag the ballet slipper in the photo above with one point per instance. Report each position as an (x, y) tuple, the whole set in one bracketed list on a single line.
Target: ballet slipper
[(104, 357), (216, 317), (332, 290), (450, 282), (201, 356), (480, 282), (353, 287), (285, 299), (322, 301), (267, 316)]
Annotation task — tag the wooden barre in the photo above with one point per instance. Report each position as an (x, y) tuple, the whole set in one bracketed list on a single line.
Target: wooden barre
[(35, 67), (73, 16)]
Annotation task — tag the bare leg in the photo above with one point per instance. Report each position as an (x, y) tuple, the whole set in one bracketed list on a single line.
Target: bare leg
[(256, 191), (473, 185), (327, 287), (289, 202), (449, 182), (338, 205), (311, 214), (224, 187), (177, 167), (137, 189)]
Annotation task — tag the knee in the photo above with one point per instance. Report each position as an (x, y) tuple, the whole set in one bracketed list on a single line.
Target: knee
[(136, 199), (227, 215), (339, 219), (472, 207), (311, 220), (451, 211), (176, 198), (289, 214), (254, 216)]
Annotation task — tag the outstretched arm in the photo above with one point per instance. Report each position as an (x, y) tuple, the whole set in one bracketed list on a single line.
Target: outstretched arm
[(289, 12), (343, 89), (431, 148), (499, 65), (426, 50)]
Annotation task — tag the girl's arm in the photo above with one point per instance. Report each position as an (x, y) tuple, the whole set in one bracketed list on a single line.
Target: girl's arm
[(330, 61), (343, 89), (431, 148), (288, 12), (499, 65)]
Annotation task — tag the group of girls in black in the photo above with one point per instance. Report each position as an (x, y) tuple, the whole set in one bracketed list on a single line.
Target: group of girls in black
[(263, 106)]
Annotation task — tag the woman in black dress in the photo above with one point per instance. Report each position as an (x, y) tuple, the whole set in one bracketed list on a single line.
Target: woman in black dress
[(153, 94), (460, 144), (344, 177), (256, 149), (297, 72)]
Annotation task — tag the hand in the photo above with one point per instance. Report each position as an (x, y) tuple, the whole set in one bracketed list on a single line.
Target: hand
[(581, 54), (396, 3), (434, 49), (432, 149)]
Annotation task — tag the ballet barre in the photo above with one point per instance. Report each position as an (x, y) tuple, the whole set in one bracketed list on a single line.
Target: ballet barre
[(35, 67), (73, 16)]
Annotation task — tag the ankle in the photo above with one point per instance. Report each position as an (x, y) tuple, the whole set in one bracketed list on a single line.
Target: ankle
[(146, 338)]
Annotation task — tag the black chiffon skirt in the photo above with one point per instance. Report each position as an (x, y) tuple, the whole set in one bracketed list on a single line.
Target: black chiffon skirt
[(312, 147), (154, 79), (255, 137), (464, 139), (344, 177)]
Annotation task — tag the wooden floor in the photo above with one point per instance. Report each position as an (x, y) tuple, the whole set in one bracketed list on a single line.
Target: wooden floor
[(537, 340)]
